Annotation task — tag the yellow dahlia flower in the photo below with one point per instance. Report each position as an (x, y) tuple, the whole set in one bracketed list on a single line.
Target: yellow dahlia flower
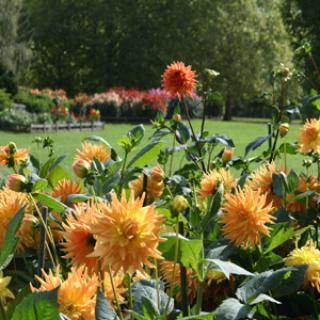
[(245, 217), (64, 188), (261, 180), (309, 255), (10, 155), (91, 151), (77, 294), (127, 233), (210, 182), (10, 203), (309, 138), (154, 187), (4, 291), (79, 240), (173, 279), (118, 280)]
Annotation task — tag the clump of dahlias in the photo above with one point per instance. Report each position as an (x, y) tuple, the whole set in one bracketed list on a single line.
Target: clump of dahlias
[(76, 295), (79, 241), (210, 182), (11, 156), (81, 168), (245, 217), (309, 138), (154, 185), (16, 182), (179, 79), (309, 255), (90, 151), (261, 180), (10, 203), (127, 234)]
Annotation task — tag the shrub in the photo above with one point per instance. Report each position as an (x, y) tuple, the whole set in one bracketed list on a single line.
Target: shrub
[(5, 100), (7, 80), (15, 120)]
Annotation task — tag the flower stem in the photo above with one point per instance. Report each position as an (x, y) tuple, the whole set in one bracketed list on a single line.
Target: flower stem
[(122, 170), (183, 282), (172, 155), (272, 155), (114, 292), (4, 315), (199, 297), (157, 283), (130, 296)]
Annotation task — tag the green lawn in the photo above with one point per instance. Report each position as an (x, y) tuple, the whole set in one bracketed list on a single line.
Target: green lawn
[(66, 143)]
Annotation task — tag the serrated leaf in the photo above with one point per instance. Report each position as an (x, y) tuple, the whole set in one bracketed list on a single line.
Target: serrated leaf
[(10, 239)]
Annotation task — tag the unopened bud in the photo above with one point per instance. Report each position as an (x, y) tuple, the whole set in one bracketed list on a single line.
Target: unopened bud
[(180, 204), (227, 154), (17, 182), (176, 117), (283, 129), (12, 147), (81, 168)]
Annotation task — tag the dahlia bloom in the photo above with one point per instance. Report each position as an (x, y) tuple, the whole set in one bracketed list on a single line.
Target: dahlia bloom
[(76, 295), (11, 156), (245, 217), (210, 182), (127, 234), (179, 79), (64, 188), (261, 180), (79, 241), (309, 255), (91, 151), (154, 187), (118, 280), (309, 138)]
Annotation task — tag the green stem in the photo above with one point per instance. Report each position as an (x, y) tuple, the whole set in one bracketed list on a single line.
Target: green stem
[(3, 312), (272, 155), (172, 155), (130, 295), (122, 170), (204, 114), (114, 292), (157, 283), (200, 289)]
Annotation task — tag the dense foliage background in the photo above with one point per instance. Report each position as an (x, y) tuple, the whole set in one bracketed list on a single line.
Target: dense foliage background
[(78, 45)]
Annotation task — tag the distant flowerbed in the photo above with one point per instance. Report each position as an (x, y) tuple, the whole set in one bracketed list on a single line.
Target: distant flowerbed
[(225, 236)]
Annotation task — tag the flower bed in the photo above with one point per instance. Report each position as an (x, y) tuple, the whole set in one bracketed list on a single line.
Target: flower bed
[(224, 236)]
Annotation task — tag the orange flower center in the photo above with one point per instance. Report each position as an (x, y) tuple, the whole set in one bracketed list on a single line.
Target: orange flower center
[(130, 229), (312, 133)]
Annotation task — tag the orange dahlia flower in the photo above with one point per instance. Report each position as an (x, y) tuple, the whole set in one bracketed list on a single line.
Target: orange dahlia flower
[(245, 217), (118, 280), (261, 180), (179, 79), (310, 255), (77, 294), (10, 203), (154, 187), (210, 182), (127, 234), (64, 188), (11, 156), (79, 240), (172, 277), (309, 138), (91, 151)]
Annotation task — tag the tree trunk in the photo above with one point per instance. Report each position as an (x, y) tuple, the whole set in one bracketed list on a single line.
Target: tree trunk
[(228, 110)]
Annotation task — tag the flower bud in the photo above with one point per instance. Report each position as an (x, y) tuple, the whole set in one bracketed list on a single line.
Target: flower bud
[(227, 154), (17, 182), (180, 204), (81, 168), (12, 147), (283, 129), (176, 117)]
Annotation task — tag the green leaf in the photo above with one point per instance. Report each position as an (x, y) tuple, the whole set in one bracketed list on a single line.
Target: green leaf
[(18, 299), (49, 166), (288, 148), (145, 295), (57, 174), (182, 133), (227, 267), (214, 207), (51, 202), (232, 309), (256, 143), (38, 305), (10, 239), (146, 155), (39, 185), (277, 185), (293, 181), (75, 198), (136, 134), (264, 297), (103, 309)]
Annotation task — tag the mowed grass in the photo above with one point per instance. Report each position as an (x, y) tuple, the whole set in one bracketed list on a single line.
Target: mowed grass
[(66, 143)]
